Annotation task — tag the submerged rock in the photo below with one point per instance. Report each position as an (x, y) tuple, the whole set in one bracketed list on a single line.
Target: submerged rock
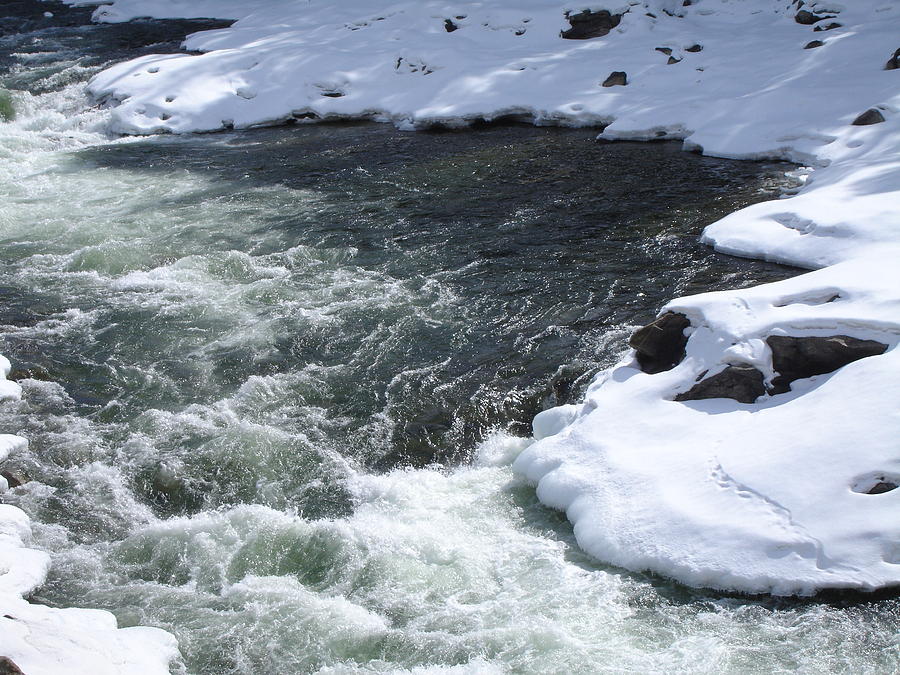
[(616, 78), (660, 345), (588, 24), (795, 358), (743, 383), (7, 111)]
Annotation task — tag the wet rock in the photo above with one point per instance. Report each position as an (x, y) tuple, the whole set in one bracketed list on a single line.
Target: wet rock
[(660, 345), (813, 44), (35, 373), (742, 383), (893, 62), (14, 478), (588, 24), (449, 26), (8, 667), (694, 48), (795, 358), (807, 18), (616, 78), (871, 116)]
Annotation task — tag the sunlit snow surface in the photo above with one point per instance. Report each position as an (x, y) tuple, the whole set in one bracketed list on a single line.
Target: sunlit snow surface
[(749, 497)]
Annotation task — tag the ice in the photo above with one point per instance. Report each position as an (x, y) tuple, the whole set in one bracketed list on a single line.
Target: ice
[(761, 497)]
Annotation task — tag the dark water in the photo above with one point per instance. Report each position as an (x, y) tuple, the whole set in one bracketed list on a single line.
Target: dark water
[(274, 380)]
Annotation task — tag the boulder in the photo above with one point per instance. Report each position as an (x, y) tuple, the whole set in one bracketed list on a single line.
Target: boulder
[(616, 78), (694, 48), (449, 26), (828, 26), (871, 116), (14, 478), (807, 18), (660, 345), (794, 358), (8, 667), (743, 383), (813, 44), (893, 62), (672, 60), (588, 24), (665, 50)]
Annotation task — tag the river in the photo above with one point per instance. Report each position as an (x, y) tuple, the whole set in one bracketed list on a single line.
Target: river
[(274, 380)]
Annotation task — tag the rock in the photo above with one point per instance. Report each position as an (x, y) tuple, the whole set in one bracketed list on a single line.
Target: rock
[(665, 50), (881, 488), (660, 345), (672, 60), (449, 26), (36, 373), (893, 62), (813, 44), (808, 18), (8, 667), (794, 358), (7, 110), (588, 24), (617, 77), (742, 383), (694, 48), (829, 26), (871, 116), (14, 478)]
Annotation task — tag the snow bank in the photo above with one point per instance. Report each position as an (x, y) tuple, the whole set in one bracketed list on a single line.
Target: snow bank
[(42, 639), (770, 496), (762, 497)]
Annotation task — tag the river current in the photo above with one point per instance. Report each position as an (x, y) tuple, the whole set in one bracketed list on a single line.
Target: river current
[(274, 380)]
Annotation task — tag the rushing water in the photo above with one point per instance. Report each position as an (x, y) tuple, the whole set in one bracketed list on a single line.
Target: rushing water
[(274, 381)]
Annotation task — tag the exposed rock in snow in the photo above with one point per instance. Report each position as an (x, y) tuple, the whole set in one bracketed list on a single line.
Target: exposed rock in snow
[(660, 345), (587, 24), (795, 358), (870, 116), (742, 383), (893, 62), (616, 78)]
